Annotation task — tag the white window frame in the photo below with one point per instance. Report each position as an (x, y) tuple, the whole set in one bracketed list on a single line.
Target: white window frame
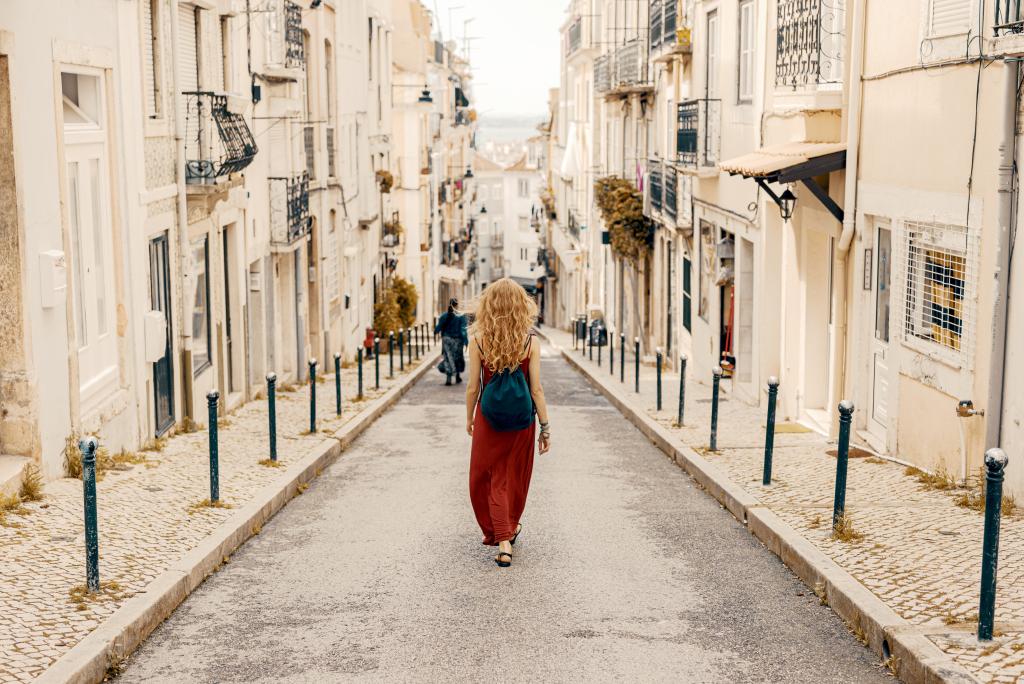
[(745, 45), (712, 54), (152, 59)]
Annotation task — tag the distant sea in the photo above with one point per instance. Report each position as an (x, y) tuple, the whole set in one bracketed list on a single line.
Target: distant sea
[(502, 128)]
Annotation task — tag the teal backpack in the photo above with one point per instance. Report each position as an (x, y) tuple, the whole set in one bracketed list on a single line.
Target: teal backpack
[(506, 401)]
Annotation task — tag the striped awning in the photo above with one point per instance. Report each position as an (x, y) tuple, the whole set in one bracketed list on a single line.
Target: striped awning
[(788, 162)]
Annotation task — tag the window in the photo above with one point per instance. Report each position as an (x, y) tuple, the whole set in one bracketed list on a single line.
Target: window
[(948, 17), (687, 294), (151, 57), (939, 272), (309, 144), (201, 306), (524, 223), (331, 248), (712, 56), (746, 51), (524, 187), (225, 53)]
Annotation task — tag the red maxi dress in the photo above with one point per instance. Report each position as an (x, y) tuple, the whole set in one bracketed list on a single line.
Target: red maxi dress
[(499, 471)]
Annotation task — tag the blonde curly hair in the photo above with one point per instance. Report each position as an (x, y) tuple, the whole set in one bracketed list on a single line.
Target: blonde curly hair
[(504, 314)]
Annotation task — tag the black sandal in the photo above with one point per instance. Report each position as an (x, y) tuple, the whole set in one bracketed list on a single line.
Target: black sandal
[(512, 541), (501, 563)]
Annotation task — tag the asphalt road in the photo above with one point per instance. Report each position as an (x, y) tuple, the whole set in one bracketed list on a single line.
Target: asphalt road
[(625, 571)]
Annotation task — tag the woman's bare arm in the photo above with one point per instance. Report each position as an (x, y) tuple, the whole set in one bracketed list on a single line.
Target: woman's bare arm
[(472, 385), (537, 392)]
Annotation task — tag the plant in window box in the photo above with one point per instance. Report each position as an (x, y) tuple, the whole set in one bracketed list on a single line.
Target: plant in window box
[(385, 180)]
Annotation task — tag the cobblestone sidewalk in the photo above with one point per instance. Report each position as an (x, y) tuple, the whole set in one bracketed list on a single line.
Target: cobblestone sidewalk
[(148, 518), (920, 552)]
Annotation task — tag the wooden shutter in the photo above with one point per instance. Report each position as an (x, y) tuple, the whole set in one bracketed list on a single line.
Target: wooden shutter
[(188, 59), (949, 17), (149, 59), (218, 56)]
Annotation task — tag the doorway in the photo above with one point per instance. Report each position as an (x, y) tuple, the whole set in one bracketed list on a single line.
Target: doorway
[(228, 309), (880, 384), (160, 300)]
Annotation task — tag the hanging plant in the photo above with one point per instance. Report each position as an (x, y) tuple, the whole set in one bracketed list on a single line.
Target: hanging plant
[(406, 297), (385, 180), (622, 209)]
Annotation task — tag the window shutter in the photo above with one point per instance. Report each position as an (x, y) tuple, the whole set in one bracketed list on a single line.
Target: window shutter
[(218, 55), (949, 17), (188, 60), (149, 59)]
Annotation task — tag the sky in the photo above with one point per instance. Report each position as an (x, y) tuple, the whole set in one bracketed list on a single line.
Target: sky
[(515, 56)]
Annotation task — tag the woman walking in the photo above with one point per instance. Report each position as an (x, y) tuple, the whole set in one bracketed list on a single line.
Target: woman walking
[(452, 327), (503, 395)]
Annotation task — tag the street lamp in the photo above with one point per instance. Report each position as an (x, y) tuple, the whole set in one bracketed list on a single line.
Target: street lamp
[(483, 208), (787, 202), (469, 172)]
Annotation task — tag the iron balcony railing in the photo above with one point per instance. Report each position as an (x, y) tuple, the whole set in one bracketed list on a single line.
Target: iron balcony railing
[(575, 37), (603, 68), (630, 67), (670, 205), (698, 133), (218, 142), (498, 241), (462, 118), (289, 209), (294, 49), (1009, 17), (809, 43)]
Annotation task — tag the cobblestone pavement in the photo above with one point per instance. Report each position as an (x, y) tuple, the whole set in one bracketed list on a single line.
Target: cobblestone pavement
[(625, 571), (147, 520), (920, 552)]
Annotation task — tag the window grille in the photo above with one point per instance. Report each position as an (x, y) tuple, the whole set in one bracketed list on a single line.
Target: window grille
[(940, 277)]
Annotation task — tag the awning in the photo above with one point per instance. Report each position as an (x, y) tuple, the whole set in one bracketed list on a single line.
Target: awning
[(790, 163), (529, 284)]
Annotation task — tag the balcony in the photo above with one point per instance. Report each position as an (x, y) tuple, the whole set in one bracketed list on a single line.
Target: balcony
[(630, 72), (574, 37), (670, 206), (698, 134), (809, 44), (603, 68), (670, 31), (289, 210), (218, 142), (286, 54), (1009, 17), (655, 185), (391, 232)]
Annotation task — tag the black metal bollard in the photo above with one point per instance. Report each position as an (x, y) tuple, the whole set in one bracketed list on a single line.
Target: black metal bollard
[(583, 335), (312, 395), (408, 343), (682, 389), (636, 361), (611, 353), (337, 383), (658, 365), (842, 461), (391, 353), (590, 342), (622, 357), (401, 349), (769, 430), (419, 342), (995, 464), (599, 345), (272, 413), (359, 365), (376, 362), (92, 538), (716, 382), (212, 398)]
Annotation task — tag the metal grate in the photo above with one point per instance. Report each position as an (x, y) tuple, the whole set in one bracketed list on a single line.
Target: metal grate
[(941, 281), (809, 42)]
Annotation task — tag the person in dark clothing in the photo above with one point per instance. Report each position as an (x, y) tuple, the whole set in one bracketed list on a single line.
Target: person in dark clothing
[(454, 338)]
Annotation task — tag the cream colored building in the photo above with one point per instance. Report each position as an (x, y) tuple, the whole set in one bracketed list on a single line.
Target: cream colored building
[(192, 198)]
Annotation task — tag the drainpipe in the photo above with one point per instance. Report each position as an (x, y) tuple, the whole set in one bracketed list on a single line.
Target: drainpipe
[(1004, 217), (853, 129), (182, 204)]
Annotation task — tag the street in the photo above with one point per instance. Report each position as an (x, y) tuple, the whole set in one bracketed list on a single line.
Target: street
[(625, 571)]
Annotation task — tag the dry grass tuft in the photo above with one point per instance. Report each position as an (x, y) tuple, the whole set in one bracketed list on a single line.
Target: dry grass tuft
[(80, 596), (815, 522), (819, 591), (188, 426), (858, 632), (844, 531), (157, 445), (10, 504), (302, 487), (31, 484), (950, 618), (72, 457), (975, 497), (875, 460), (892, 663), (267, 463), (206, 503), (941, 479)]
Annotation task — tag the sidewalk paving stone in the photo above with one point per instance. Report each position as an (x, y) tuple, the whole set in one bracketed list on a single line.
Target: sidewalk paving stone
[(920, 552)]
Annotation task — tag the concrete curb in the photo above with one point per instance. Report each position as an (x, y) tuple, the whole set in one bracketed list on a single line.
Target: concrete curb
[(915, 658), (120, 634)]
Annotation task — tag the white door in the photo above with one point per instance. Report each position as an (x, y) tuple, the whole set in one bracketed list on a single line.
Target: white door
[(87, 194), (880, 362)]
